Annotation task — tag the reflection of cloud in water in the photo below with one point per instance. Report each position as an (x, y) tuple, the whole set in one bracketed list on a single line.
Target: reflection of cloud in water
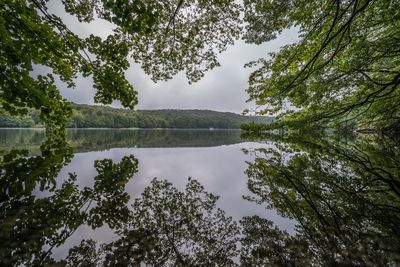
[(219, 169)]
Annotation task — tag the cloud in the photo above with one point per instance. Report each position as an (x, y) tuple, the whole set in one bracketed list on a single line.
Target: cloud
[(222, 88)]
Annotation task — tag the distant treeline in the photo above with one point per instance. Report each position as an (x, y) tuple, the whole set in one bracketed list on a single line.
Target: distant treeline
[(84, 140), (86, 116)]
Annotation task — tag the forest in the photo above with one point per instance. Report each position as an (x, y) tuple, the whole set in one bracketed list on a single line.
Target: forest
[(286, 190), (342, 70), (86, 116), (87, 140)]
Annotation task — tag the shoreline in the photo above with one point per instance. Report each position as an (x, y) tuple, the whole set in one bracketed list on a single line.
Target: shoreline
[(106, 128)]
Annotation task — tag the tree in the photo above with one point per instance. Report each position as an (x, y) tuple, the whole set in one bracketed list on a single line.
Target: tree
[(344, 196), (265, 245), (21, 173), (32, 226), (344, 68), (165, 37), (167, 227), (187, 227)]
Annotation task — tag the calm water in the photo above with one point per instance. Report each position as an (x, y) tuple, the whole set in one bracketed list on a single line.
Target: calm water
[(124, 197)]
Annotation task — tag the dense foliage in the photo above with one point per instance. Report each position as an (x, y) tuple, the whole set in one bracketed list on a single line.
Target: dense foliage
[(85, 116), (45, 223), (344, 194), (85, 140), (30, 119), (342, 72), (165, 37), (344, 69), (163, 227)]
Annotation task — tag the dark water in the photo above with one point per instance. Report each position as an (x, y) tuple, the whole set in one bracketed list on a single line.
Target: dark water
[(124, 198)]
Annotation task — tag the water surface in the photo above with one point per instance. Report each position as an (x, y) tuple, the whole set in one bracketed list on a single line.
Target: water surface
[(129, 196)]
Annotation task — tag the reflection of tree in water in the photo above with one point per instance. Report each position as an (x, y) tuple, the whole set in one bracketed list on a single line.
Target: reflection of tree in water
[(20, 174), (266, 245), (345, 197), (31, 227), (167, 227), (189, 229), (83, 140), (163, 227)]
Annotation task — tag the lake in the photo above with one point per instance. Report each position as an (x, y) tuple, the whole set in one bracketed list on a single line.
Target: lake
[(198, 198)]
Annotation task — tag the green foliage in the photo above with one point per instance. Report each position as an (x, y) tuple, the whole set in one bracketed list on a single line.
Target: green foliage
[(168, 227), (16, 121), (92, 116), (85, 140), (29, 120), (20, 173), (163, 227), (32, 226), (85, 116), (164, 37), (266, 245), (343, 70), (255, 127), (188, 228), (344, 196)]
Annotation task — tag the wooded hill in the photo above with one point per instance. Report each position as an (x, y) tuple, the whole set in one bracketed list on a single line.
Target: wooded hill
[(86, 116), (88, 140)]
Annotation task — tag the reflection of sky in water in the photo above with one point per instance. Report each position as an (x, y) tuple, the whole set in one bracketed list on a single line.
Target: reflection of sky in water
[(219, 169)]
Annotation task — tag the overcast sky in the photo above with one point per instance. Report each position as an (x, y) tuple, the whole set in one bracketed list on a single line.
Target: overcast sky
[(221, 89)]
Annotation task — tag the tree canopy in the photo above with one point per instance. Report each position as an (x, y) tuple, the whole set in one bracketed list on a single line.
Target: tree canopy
[(344, 194), (86, 116), (165, 37), (344, 69)]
